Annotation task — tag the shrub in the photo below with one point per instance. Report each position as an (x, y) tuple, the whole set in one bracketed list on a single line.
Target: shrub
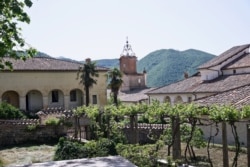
[(140, 155), (8, 111), (67, 149), (1, 163), (31, 127), (52, 121)]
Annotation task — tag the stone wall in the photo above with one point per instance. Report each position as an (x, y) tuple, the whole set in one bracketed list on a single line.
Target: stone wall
[(19, 134)]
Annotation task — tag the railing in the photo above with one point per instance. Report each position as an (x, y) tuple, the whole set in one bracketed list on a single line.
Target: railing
[(149, 126), (56, 110)]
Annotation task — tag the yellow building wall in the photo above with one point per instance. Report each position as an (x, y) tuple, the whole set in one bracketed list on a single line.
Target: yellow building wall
[(46, 81)]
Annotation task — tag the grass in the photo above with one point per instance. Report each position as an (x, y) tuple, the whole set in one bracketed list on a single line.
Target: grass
[(26, 154)]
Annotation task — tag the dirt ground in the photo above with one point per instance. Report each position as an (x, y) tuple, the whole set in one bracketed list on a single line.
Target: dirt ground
[(216, 156), (26, 155), (42, 153)]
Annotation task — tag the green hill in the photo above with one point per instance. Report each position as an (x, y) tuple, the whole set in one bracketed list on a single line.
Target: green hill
[(109, 63), (166, 66), (42, 54)]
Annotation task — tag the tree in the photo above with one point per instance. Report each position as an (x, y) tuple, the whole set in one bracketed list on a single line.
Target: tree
[(115, 83), (87, 72), (11, 42)]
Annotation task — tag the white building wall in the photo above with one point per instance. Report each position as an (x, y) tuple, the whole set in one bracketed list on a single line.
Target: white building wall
[(241, 130), (214, 72), (236, 71), (185, 97), (207, 75)]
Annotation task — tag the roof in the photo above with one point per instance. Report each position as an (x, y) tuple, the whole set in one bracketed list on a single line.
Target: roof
[(224, 56), (195, 85), (134, 96), (237, 97), (110, 161), (46, 64), (242, 62)]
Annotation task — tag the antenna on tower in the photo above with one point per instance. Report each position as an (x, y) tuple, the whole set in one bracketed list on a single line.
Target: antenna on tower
[(127, 49)]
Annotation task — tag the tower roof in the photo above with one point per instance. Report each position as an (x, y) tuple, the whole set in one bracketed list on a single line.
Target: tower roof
[(127, 50)]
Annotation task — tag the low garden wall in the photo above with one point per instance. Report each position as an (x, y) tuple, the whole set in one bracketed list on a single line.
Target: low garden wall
[(212, 130), (12, 134), (146, 132)]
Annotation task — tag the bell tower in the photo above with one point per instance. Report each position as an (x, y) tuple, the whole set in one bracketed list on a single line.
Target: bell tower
[(131, 79), (128, 60)]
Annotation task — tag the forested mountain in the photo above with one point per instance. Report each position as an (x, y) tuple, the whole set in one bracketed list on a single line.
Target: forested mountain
[(41, 54), (110, 63), (166, 66)]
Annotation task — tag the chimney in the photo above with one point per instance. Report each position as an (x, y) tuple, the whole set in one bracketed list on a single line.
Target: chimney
[(185, 75), (88, 60)]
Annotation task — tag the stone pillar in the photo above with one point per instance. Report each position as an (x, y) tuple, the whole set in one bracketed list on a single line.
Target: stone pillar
[(66, 102), (22, 102), (45, 101)]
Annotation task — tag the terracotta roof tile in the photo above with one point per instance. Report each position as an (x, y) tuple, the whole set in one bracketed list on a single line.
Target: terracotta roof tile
[(187, 85), (134, 96), (224, 56), (46, 64), (195, 85), (243, 61), (237, 97)]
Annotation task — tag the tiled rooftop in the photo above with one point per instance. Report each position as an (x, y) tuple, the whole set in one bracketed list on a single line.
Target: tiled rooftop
[(224, 56), (237, 97), (242, 62), (195, 85), (134, 96), (46, 64)]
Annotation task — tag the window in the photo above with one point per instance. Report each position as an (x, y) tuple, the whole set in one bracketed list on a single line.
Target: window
[(167, 99), (189, 99), (234, 71), (73, 95), (94, 99), (55, 97)]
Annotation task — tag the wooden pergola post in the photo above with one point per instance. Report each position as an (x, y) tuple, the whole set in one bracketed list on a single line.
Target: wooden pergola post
[(248, 145), (224, 144), (176, 138)]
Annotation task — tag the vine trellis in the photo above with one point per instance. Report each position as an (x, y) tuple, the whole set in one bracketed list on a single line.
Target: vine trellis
[(109, 121)]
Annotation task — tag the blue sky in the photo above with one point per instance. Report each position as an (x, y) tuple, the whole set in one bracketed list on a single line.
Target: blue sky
[(97, 29)]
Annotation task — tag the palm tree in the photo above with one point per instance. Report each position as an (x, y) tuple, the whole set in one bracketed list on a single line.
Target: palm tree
[(87, 72), (115, 83)]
